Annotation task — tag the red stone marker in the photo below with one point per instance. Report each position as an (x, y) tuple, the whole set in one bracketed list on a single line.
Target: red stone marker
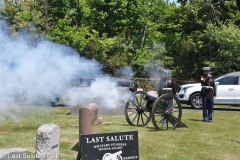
[(87, 116)]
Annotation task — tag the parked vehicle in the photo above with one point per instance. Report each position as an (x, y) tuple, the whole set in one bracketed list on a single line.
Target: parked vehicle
[(126, 83), (227, 87), (123, 82), (20, 94)]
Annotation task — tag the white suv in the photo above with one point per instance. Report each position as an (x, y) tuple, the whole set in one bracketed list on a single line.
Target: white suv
[(227, 86)]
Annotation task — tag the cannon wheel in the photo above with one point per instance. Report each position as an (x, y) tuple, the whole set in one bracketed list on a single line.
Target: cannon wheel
[(165, 116), (136, 112)]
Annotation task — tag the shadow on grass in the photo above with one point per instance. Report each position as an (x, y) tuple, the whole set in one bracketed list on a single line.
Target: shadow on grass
[(75, 147), (126, 125), (153, 129), (194, 120)]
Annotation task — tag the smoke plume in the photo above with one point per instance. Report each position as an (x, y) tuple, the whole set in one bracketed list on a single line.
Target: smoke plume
[(33, 70), (2, 5)]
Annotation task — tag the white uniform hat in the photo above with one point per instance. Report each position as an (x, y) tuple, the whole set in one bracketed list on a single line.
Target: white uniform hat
[(206, 68), (166, 71)]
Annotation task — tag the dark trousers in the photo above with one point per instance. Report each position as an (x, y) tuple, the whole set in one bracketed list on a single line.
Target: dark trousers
[(207, 105)]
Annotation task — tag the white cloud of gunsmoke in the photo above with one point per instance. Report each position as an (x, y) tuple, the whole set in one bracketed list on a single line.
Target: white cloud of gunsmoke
[(45, 69), (2, 4)]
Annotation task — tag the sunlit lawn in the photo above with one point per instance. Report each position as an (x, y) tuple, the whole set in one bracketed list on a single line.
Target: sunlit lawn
[(217, 140)]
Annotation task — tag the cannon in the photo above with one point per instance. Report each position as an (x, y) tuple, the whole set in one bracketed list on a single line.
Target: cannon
[(164, 111)]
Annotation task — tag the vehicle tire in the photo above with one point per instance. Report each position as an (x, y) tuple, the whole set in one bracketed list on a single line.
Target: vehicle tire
[(41, 100), (196, 101), (55, 100)]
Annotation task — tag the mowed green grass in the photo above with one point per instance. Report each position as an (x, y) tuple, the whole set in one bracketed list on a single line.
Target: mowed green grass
[(217, 140)]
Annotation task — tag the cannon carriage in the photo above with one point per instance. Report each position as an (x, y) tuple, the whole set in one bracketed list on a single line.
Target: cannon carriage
[(164, 111)]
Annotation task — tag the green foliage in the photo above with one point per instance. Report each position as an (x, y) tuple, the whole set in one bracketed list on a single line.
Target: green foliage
[(189, 44), (224, 44), (72, 36), (131, 24), (22, 14), (143, 34)]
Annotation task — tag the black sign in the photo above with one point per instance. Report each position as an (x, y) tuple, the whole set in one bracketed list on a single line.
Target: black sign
[(110, 146)]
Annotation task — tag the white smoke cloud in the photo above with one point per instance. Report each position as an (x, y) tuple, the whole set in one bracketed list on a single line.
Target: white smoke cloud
[(46, 69), (125, 72), (2, 5)]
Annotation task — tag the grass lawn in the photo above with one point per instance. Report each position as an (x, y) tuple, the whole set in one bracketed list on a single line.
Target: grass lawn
[(217, 140)]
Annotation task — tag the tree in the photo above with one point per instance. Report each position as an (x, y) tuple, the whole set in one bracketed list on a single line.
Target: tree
[(187, 42), (224, 46), (132, 25)]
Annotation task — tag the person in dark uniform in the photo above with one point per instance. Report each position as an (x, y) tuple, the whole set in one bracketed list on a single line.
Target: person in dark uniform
[(208, 92), (166, 84)]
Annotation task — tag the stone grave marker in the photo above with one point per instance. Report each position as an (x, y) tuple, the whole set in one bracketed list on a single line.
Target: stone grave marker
[(48, 142)]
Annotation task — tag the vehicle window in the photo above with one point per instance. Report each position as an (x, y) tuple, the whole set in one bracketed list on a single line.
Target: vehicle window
[(238, 80), (227, 80)]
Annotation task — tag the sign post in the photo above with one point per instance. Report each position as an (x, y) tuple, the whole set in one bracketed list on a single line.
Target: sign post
[(110, 146)]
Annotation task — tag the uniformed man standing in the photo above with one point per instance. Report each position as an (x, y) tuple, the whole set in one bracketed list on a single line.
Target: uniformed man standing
[(167, 84), (208, 92)]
